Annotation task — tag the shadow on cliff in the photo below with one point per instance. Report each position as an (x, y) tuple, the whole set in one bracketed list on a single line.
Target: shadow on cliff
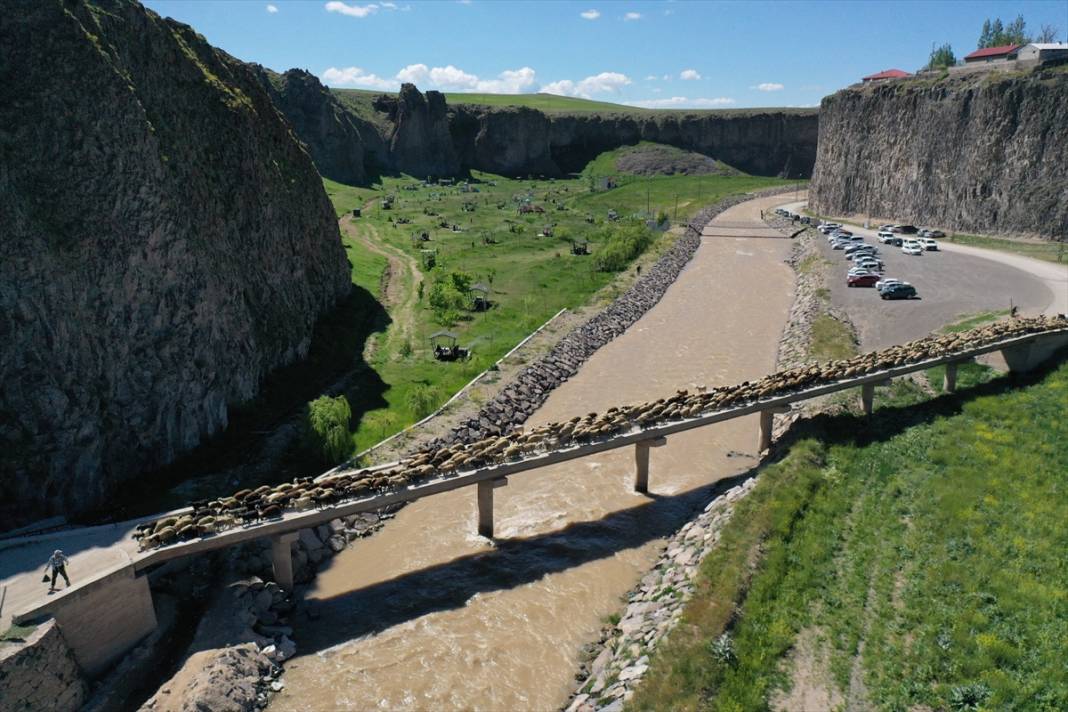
[(523, 560), (257, 432)]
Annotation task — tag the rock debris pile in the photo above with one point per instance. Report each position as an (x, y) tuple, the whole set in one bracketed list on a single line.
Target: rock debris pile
[(251, 505)]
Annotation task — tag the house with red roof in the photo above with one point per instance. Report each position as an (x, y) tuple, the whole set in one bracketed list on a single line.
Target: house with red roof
[(992, 54), (886, 74)]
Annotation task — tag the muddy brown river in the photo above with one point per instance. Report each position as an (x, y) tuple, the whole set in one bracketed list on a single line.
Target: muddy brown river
[(428, 615)]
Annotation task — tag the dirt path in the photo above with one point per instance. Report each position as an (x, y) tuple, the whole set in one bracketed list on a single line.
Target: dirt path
[(400, 288), (427, 615)]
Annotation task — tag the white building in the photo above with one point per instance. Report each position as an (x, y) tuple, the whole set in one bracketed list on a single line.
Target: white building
[(1043, 51)]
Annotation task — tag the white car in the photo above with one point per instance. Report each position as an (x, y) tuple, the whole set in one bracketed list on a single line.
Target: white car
[(912, 247), (929, 244), (871, 264), (886, 282), (885, 236)]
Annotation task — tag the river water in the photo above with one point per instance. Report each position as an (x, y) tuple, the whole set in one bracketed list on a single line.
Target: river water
[(428, 615)]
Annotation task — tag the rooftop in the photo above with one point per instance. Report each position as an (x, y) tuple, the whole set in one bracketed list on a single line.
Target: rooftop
[(888, 74), (993, 51)]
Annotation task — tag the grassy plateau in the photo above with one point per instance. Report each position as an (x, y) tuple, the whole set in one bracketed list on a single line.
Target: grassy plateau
[(919, 553)]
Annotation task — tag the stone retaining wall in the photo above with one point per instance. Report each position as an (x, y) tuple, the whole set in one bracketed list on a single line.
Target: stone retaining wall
[(40, 673)]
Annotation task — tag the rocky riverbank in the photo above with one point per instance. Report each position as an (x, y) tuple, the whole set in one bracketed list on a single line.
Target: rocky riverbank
[(621, 658)]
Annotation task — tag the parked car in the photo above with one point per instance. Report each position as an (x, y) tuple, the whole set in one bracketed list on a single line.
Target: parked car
[(887, 228), (929, 244), (912, 247), (936, 233), (870, 263), (906, 229), (854, 271), (886, 237), (862, 280), (886, 282), (898, 291), (840, 244)]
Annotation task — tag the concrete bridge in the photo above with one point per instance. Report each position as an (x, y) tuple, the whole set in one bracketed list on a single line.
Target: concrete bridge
[(105, 615)]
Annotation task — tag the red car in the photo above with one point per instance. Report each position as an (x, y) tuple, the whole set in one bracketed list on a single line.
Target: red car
[(863, 280)]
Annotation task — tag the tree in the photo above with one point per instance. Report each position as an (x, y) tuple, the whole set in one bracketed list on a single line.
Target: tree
[(326, 428), (996, 34), (1048, 33), (941, 57), (1016, 32)]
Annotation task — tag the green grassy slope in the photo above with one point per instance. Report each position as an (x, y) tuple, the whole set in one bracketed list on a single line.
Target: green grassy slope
[(922, 550)]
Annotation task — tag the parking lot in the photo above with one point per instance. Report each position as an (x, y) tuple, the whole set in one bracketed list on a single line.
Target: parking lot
[(949, 286)]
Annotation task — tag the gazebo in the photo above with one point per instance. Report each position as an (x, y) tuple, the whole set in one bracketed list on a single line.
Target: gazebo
[(443, 343), (480, 294)]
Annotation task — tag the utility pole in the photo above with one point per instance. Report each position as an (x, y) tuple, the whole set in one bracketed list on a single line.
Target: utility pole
[(647, 211), (676, 218)]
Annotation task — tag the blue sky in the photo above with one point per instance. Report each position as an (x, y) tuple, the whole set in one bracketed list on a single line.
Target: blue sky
[(665, 54)]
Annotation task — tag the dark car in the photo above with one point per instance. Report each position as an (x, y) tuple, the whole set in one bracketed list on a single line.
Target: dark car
[(906, 229), (863, 280), (898, 291)]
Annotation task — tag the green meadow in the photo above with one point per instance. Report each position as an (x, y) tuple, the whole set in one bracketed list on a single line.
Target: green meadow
[(920, 553), (524, 259)]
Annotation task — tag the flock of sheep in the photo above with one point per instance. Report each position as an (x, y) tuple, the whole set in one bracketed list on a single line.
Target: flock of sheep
[(251, 505)]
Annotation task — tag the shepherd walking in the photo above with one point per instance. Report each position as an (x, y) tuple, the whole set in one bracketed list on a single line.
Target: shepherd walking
[(58, 563)]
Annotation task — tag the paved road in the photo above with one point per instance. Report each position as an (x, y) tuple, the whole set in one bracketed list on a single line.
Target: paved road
[(952, 283)]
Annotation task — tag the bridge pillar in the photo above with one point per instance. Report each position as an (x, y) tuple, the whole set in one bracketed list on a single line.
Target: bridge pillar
[(949, 383), (282, 555), (867, 397), (641, 462), (767, 419), (485, 505)]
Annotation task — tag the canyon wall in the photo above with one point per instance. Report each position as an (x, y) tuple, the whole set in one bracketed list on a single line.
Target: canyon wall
[(984, 153), (420, 134), (166, 243)]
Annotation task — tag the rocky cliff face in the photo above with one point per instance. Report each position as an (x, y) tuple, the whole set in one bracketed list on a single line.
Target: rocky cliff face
[(344, 147), (985, 153), (420, 135), (419, 142), (166, 243)]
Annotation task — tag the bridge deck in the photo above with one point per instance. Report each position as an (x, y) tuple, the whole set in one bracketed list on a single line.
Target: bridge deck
[(295, 520)]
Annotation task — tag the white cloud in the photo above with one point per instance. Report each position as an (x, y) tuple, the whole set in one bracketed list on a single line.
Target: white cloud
[(450, 78), (690, 74), (682, 102), (272, 9), (632, 16), (651, 78), (590, 14), (666, 77), (768, 86), (356, 77), (389, 5), (603, 83), (351, 10)]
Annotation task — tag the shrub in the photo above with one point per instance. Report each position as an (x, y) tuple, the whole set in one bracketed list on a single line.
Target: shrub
[(621, 243), (326, 428), (421, 400), (964, 698)]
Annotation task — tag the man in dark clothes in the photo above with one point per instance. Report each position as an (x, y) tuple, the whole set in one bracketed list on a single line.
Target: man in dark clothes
[(58, 563)]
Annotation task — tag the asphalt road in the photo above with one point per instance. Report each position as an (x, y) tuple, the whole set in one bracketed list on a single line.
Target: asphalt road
[(951, 285)]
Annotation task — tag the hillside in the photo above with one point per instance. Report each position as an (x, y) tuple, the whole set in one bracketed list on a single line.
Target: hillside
[(912, 560), (167, 244), (983, 153)]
